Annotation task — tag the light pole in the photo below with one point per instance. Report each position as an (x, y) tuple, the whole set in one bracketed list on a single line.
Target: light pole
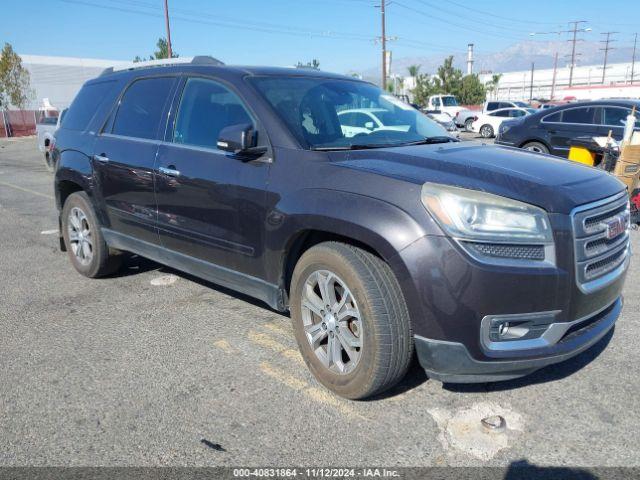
[(574, 39)]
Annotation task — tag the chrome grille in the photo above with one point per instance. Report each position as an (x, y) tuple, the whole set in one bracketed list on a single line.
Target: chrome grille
[(601, 253)]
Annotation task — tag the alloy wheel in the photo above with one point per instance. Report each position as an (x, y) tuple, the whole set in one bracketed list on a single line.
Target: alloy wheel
[(332, 322), (80, 236)]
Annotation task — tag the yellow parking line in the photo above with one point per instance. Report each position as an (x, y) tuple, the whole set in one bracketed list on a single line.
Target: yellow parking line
[(318, 395), (277, 328), (265, 340), (33, 192), (223, 344)]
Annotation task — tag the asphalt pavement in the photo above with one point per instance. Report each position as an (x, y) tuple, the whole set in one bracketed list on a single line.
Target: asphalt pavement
[(141, 367)]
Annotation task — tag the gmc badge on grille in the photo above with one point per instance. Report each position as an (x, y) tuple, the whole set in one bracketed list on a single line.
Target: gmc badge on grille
[(616, 226)]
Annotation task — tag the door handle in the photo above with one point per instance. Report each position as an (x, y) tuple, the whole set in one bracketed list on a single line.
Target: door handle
[(101, 158), (169, 171)]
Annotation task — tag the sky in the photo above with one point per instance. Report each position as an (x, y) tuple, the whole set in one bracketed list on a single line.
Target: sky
[(341, 34)]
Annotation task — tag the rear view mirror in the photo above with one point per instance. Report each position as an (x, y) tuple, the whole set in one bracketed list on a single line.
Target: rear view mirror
[(241, 138)]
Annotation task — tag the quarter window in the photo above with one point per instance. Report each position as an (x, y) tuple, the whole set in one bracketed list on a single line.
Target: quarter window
[(616, 117), (141, 108), (205, 109)]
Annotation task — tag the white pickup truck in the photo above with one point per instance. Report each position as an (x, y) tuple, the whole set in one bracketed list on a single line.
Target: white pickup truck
[(449, 104), (45, 130)]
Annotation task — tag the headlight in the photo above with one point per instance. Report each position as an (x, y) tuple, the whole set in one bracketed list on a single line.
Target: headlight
[(475, 215)]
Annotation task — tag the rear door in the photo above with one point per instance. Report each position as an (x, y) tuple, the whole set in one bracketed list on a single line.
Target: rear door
[(562, 127), (124, 156)]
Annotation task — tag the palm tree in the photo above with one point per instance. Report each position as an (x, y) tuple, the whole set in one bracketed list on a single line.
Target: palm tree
[(413, 70), (492, 85)]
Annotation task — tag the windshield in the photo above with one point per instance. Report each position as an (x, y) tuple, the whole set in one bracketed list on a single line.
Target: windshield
[(449, 101), (344, 114)]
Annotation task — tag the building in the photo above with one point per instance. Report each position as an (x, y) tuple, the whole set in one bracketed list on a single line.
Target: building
[(518, 85), (58, 79)]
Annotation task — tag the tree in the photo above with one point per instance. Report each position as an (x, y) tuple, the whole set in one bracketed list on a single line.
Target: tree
[(472, 91), (449, 79), (413, 70), (14, 80), (425, 87), (162, 51), (492, 85), (315, 64)]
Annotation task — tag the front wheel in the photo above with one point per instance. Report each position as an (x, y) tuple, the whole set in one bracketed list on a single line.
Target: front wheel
[(486, 131), (350, 320)]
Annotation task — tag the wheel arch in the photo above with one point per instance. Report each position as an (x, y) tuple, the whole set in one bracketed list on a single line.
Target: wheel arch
[(537, 140)]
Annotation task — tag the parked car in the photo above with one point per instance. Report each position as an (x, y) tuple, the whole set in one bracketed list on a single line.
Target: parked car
[(448, 104), (492, 105), (445, 121), (487, 124), (475, 256), (465, 119), (552, 130), (45, 136), (367, 120)]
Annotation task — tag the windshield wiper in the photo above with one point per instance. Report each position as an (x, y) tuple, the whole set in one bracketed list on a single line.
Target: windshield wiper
[(359, 146), (434, 139)]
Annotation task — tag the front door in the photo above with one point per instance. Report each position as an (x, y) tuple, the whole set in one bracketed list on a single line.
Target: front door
[(124, 157), (211, 203)]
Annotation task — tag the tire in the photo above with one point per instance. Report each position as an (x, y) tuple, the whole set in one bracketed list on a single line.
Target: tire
[(48, 162), (381, 327), (85, 244), (536, 147), (486, 131), (468, 125)]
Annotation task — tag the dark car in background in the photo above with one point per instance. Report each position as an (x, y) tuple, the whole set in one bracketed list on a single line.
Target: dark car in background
[(552, 130), (378, 242)]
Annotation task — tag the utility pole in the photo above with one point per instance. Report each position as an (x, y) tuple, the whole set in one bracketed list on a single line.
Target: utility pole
[(555, 71), (533, 66), (166, 20), (606, 49), (633, 58), (384, 45), (575, 31)]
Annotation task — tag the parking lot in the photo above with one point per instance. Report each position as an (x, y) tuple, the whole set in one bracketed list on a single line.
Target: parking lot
[(141, 367)]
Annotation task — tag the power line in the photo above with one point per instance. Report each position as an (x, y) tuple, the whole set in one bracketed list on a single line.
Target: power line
[(493, 15), (606, 49)]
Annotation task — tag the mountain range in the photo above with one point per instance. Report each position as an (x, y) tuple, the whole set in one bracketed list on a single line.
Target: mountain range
[(517, 57)]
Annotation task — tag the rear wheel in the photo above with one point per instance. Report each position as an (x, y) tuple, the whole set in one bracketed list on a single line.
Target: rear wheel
[(486, 131), (85, 244), (536, 147), (468, 125), (350, 320)]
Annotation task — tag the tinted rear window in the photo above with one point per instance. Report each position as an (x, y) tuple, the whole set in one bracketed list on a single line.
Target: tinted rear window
[(85, 105), (578, 115), (141, 107)]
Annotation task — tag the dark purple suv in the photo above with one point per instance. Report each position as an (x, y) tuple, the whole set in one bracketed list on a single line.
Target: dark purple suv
[(324, 196)]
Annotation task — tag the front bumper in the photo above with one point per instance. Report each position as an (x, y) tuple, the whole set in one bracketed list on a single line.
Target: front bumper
[(451, 362)]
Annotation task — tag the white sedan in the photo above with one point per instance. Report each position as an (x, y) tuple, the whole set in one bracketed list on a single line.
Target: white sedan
[(487, 124)]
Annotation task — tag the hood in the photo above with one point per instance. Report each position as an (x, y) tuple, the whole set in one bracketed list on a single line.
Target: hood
[(555, 184)]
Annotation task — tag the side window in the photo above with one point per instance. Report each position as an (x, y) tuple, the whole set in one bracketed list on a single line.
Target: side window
[(436, 102), (206, 108), (615, 117), (554, 117), (141, 107), (501, 113), (579, 115), (492, 106), (516, 113), (86, 103), (504, 105)]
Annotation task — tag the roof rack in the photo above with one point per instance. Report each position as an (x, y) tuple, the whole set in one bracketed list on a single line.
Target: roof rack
[(197, 60)]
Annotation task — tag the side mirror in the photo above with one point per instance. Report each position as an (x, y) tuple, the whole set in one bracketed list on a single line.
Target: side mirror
[(237, 139), (369, 125)]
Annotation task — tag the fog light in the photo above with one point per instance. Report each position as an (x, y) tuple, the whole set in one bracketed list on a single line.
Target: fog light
[(503, 329)]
